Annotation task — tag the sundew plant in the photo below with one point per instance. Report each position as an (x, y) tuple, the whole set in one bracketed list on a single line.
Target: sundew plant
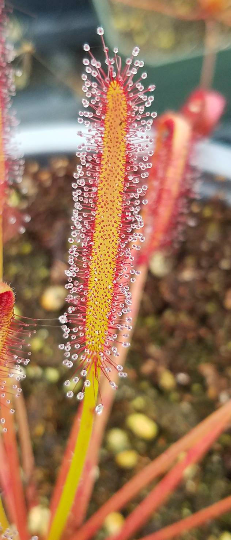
[(109, 189), (108, 261), (12, 331)]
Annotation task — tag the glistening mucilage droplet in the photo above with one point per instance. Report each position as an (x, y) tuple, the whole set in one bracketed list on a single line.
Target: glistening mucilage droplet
[(109, 187)]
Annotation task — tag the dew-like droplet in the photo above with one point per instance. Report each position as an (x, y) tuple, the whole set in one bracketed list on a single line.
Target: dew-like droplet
[(63, 320), (99, 408), (135, 51), (100, 31), (113, 385)]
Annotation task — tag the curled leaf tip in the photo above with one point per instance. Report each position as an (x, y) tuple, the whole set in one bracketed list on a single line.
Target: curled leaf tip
[(169, 184), (204, 109)]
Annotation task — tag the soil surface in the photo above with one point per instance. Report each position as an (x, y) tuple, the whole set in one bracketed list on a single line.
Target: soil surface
[(179, 363)]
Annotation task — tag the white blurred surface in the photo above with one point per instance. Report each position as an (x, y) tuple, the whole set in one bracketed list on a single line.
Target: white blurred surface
[(208, 156)]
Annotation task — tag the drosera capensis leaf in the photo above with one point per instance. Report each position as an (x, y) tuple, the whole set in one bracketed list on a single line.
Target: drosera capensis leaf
[(108, 192), (11, 164), (169, 183), (109, 188), (15, 332)]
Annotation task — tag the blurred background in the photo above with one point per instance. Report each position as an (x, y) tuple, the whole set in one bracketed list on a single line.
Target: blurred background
[(179, 362), (172, 35)]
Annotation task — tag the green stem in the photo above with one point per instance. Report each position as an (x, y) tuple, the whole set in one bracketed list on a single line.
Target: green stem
[(84, 492), (3, 519), (75, 471)]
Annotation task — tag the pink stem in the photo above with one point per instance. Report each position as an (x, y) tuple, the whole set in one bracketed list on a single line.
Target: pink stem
[(213, 511), (11, 449), (149, 473), (26, 452), (5, 483), (169, 483)]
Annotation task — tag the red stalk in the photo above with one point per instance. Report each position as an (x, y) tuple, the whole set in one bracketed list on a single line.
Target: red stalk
[(10, 444), (26, 452), (149, 473), (5, 483), (169, 483), (213, 511)]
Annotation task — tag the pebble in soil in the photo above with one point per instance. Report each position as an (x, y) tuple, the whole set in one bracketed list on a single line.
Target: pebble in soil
[(178, 363)]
